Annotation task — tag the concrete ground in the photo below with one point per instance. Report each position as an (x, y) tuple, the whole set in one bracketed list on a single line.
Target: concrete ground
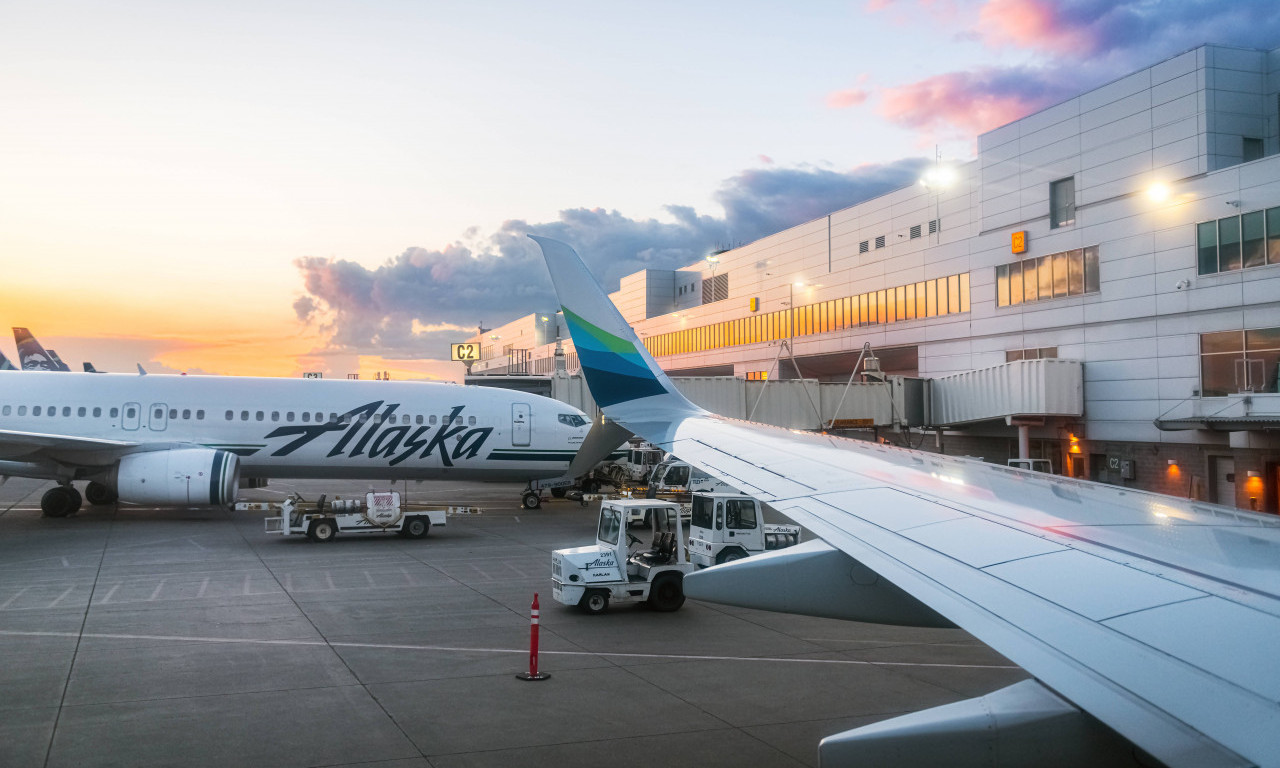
[(158, 637)]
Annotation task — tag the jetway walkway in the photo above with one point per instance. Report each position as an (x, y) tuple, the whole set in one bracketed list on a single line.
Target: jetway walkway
[(1015, 392)]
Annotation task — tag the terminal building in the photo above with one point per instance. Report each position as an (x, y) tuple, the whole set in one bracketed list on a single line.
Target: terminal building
[(1099, 288)]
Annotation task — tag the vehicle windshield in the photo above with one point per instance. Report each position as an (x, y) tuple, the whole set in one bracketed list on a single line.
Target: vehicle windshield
[(610, 525), (572, 419), (702, 510), (677, 475)]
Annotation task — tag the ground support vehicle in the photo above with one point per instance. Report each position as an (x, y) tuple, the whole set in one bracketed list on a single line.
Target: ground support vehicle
[(375, 513), (674, 479), (729, 526), (620, 567)]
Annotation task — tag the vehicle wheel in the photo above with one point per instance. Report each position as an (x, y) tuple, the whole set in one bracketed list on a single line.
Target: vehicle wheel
[(667, 593), (557, 493), (99, 494), (595, 601), (322, 530), (416, 527), (60, 501), (531, 500), (729, 555)]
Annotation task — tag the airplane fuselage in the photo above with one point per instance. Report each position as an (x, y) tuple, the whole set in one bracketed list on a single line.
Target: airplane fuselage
[(299, 428)]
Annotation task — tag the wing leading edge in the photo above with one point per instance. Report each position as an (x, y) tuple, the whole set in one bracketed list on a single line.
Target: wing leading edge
[(1145, 611)]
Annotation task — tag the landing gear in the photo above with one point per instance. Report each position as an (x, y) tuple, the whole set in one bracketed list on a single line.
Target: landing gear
[(60, 501), (531, 500), (99, 494)]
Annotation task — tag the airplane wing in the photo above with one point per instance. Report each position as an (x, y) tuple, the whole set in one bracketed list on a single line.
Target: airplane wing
[(1155, 616), (18, 443)]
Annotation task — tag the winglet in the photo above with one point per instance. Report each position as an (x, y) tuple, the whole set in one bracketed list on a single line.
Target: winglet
[(618, 368)]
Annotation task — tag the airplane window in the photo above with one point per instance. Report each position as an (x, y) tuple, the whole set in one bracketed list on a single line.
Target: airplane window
[(471, 420), (377, 418), (53, 410), (97, 412), (446, 420), (159, 413), (275, 415), (333, 417), (66, 410), (115, 412), (81, 411), (173, 413), (35, 410), (244, 415), (258, 416), (288, 416), (572, 419), (22, 410), (230, 415), (186, 413), (306, 416), (417, 419), (131, 413), (433, 419), (319, 417), (7, 409), (200, 415)]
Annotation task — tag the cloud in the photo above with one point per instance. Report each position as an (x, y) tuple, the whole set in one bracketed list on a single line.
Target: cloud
[(849, 97), (414, 304), (960, 104), (1075, 45)]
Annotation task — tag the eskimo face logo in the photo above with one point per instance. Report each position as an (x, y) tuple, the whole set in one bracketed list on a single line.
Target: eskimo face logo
[(397, 441)]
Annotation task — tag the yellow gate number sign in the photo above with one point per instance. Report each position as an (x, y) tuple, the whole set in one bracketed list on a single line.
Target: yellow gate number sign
[(464, 352), (1020, 242)]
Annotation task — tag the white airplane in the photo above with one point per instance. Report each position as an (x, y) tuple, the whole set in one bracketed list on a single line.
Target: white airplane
[(1148, 622), (186, 440)]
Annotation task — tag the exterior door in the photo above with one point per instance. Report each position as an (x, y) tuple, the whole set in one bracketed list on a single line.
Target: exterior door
[(520, 428), (1224, 480), (158, 417), (130, 415)]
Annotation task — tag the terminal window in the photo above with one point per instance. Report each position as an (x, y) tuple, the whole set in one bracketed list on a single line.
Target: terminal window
[(1062, 202), (1239, 361), (1238, 242), (1069, 273)]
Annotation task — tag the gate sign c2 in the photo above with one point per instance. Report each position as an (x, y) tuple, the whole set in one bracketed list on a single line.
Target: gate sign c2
[(464, 352)]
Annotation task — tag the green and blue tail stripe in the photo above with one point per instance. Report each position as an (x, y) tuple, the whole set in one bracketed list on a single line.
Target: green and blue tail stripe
[(615, 369)]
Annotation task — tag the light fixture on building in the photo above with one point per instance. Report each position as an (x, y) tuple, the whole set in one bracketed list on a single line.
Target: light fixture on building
[(1158, 192), (939, 177), (1253, 473), (1173, 462)]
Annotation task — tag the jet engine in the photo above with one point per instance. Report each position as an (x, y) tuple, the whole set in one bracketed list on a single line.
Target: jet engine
[(181, 476)]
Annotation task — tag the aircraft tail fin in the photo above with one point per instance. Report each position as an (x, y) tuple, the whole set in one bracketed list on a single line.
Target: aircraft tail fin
[(618, 368), (88, 367), (31, 355), (5, 364)]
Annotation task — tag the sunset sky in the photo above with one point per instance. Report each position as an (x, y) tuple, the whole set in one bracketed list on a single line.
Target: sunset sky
[(266, 188)]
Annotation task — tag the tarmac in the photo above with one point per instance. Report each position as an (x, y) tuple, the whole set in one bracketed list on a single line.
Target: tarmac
[(137, 636)]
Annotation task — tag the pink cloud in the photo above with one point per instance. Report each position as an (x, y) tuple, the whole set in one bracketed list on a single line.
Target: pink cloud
[(765, 159), (1035, 24), (967, 103), (849, 97)]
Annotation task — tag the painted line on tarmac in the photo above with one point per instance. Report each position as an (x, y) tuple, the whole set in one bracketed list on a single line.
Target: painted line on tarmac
[(520, 651)]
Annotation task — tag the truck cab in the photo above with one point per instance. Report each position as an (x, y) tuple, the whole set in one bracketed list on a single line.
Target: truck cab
[(622, 567), (729, 526), (677, 480)]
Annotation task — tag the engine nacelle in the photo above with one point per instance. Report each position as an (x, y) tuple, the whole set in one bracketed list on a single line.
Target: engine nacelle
[(182, 476)]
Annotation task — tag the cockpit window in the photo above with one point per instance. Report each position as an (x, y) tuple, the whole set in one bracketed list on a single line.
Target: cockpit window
[(572, 419)]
